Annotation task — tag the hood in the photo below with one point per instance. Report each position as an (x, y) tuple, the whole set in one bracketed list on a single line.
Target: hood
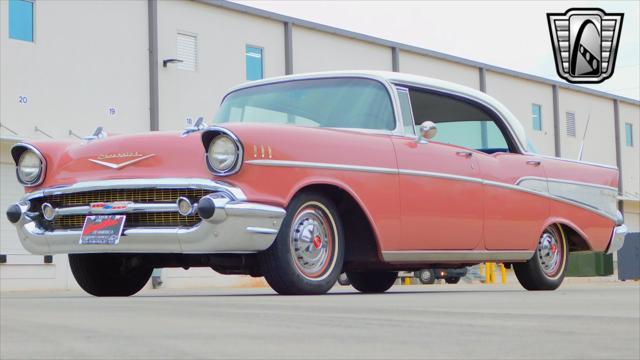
[(149, 155)]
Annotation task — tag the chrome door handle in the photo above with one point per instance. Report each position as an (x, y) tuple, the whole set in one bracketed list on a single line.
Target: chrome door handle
[(466, 154), (534, 162)]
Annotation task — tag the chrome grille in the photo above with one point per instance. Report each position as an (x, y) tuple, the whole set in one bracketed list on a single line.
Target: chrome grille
[(133, 220), (135, 195), (148, 219)]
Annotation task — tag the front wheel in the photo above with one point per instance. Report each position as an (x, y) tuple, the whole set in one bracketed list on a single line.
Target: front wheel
[(546, 270), (105, 275), (372, 281), (306, 257)]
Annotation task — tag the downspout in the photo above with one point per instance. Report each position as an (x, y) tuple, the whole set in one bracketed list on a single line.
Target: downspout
[(154, 121)]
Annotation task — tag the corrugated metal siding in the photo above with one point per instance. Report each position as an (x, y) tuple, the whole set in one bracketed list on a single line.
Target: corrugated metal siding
[(571, 124), (187, 51)]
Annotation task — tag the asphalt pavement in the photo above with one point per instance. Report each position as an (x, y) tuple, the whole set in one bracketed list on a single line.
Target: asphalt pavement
[(578, 321)]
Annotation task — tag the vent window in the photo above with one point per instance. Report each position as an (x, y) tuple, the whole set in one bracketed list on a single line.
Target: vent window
[(187, 51), (571, 124)]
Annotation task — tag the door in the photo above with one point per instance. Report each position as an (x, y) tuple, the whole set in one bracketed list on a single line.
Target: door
[(513, 217), (440, 186), (440, 196)]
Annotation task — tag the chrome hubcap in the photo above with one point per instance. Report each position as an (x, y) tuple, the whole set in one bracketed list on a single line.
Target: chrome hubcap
[(550, 254), (311, 241)]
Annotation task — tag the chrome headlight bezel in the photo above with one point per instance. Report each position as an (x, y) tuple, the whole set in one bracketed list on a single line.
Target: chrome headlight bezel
[(209, 138), (19, 153)]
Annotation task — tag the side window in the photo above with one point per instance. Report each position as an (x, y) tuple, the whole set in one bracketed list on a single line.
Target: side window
[(459, 122), (405, 107)]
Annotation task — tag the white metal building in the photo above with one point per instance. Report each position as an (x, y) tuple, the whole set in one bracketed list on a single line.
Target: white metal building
[(120, 71)]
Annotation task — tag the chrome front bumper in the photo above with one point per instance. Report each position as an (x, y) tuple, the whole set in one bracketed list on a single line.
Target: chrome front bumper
[(617, 238), (238, 226)]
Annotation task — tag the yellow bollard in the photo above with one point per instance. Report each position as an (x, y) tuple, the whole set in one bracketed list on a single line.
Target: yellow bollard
[(488, 273), (493, 273), (503, 272), (407, 281)]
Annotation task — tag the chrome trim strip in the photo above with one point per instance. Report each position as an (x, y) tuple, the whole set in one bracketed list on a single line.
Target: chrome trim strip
[(439, 175), (305, 164), (317, 165), (456, 256), (163, 183), (43, 168), (260, 230), (566, 181)]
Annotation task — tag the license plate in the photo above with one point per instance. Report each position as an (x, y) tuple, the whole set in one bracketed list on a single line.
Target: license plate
[(102, 229)]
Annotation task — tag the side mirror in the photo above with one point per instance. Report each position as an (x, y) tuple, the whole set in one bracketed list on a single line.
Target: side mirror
[(428, 130)]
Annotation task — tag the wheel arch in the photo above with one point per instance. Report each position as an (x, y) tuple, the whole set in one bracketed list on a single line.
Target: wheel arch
[(361, 237), (576, 238)]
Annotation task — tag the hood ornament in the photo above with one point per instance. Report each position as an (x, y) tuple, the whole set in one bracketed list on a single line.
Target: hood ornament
[(120, 160)]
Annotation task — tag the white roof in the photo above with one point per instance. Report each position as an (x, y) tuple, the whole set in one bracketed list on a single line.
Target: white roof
[(423, 81)]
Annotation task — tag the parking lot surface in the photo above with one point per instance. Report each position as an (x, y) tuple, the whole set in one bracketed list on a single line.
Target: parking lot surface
[(586, 320)]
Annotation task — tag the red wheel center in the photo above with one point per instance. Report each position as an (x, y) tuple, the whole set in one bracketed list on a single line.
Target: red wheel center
[(317, 242), (554, 248)]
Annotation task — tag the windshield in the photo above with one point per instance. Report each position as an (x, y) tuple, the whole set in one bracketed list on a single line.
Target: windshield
[(336, 103)]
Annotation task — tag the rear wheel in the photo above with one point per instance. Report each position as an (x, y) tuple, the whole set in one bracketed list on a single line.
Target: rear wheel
[(105, 275), (306, 257), (546, 270), (452, 280), (372, 281)]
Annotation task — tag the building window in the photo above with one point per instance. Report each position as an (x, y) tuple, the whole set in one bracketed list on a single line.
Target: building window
[(253, 57), (21, 20), (571, 124), (536, 116), (628, 134), (187, 51)]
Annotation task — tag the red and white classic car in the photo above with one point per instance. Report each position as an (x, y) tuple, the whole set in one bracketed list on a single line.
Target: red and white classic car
[(304, 177)]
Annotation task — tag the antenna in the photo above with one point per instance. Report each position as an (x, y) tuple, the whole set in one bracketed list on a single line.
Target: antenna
[(584, 137)]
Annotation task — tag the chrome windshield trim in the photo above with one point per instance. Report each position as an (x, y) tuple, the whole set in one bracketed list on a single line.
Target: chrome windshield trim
[(163, 183), (456, 256)]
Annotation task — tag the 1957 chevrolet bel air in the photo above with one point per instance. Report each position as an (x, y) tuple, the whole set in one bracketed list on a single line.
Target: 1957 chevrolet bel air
[(304, 177)]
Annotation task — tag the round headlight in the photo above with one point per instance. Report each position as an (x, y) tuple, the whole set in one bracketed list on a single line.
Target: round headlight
[(223, 154), (29, 168)]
